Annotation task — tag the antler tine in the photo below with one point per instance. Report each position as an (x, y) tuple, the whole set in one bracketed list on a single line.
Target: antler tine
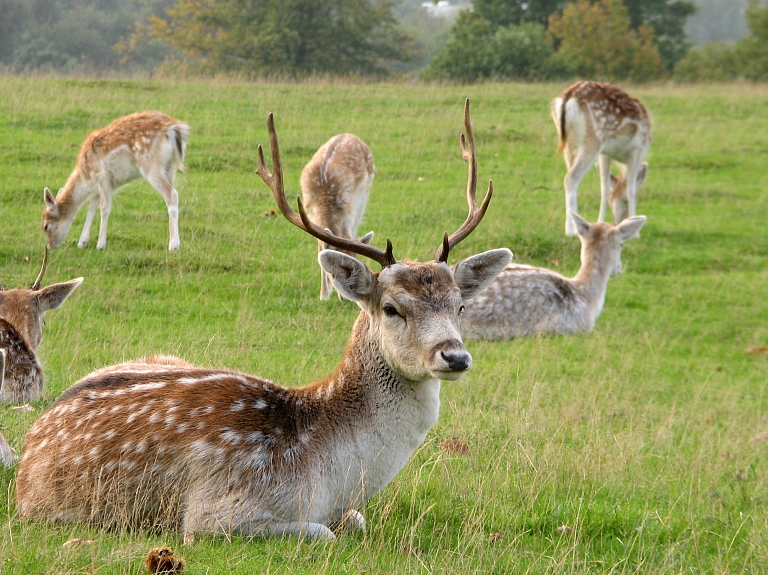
[(475, 214), (36, 285), (301, 220)]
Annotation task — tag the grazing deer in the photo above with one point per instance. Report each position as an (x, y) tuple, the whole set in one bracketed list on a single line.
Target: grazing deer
[(163, 443), (597, 121), (335, 185), (147, 145), (21, 329), (524, 301)]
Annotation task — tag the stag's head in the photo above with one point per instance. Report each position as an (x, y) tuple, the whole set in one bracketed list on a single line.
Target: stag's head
[(54, 225), (413, 309), (24, 308)]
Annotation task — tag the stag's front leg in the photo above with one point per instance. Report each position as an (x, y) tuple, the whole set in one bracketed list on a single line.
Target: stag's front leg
[(105, 197), (86, 235)]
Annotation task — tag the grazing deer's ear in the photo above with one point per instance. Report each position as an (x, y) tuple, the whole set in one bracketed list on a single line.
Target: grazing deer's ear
[(50, 202), (630, 227), (475, 273), (582, 225), (641, 173), (351, 277), (52, 296), (614, 181), (367, 238)]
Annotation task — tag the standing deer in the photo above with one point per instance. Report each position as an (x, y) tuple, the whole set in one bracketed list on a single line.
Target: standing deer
[(524, 301), (335, 185), (21, 329), (147, 145), (597, 121), (164, 443)]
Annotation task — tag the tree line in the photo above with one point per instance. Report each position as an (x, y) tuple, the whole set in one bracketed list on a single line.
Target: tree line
[(636, 40)]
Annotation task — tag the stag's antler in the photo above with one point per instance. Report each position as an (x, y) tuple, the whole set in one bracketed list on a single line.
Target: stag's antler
[(475, 214), (300, 220), (36, 285)]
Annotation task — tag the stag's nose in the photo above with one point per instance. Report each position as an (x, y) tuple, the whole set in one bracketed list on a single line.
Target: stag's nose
[(457, 360)]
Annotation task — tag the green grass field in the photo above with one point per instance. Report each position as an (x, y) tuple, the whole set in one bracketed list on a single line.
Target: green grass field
[(639, 448)]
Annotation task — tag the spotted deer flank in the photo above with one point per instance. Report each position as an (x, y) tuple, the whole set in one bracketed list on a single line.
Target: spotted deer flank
[(599, 122), (21, 330), (335, 185), (525, 301), (147, 145), (159, 442)]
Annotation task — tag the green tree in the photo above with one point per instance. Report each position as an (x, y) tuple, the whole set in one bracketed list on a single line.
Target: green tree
[(508, 12), (667, 19), (598, 39), (296, 37), (751, 52), (478, 50)]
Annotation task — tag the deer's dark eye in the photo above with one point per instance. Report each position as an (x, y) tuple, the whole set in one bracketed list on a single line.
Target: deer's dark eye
[(390, 310), (461, 308)]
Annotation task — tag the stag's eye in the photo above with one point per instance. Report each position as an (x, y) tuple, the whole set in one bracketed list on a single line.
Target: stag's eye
[(461, 308), (390, 310)]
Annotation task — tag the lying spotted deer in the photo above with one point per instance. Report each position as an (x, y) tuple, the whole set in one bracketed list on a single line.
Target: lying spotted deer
[(524, 301), (21, 329), (164, 443), (600, 122), (7, 454), (147, 145), (335, 185)]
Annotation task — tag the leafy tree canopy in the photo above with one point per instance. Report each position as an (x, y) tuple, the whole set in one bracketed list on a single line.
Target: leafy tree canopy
[(295, 37), (600, 42)]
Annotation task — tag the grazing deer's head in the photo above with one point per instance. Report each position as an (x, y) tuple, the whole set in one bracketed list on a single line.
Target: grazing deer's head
[(55, 227), (414, 309)]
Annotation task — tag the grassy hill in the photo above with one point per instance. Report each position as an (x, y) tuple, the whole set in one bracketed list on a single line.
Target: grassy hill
[(641, 447)]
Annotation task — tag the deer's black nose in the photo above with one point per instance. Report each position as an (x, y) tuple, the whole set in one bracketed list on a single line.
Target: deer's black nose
[(457, 361)]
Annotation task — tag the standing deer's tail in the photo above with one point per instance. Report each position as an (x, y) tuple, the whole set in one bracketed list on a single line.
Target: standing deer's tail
[(558, 114), (179, 135)]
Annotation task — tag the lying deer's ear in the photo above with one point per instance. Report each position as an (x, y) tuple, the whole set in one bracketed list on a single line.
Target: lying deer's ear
[(630, 227), (582, 225), (475, 273), (351, 277), (52, 296)]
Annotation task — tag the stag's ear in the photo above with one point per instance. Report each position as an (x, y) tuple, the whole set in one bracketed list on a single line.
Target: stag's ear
[(475, 273), (366, 239), (630, 227), (50, 202), (351, 277), (52, 296)]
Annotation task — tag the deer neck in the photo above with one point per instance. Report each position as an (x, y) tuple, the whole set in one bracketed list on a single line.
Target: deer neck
[(78, 189), (372, 398), (593, 276)]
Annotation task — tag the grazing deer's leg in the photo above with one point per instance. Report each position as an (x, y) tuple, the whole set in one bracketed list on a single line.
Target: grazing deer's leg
[(86, 235), (105, 196), (604, 166), (164, 186), (576, 172)]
